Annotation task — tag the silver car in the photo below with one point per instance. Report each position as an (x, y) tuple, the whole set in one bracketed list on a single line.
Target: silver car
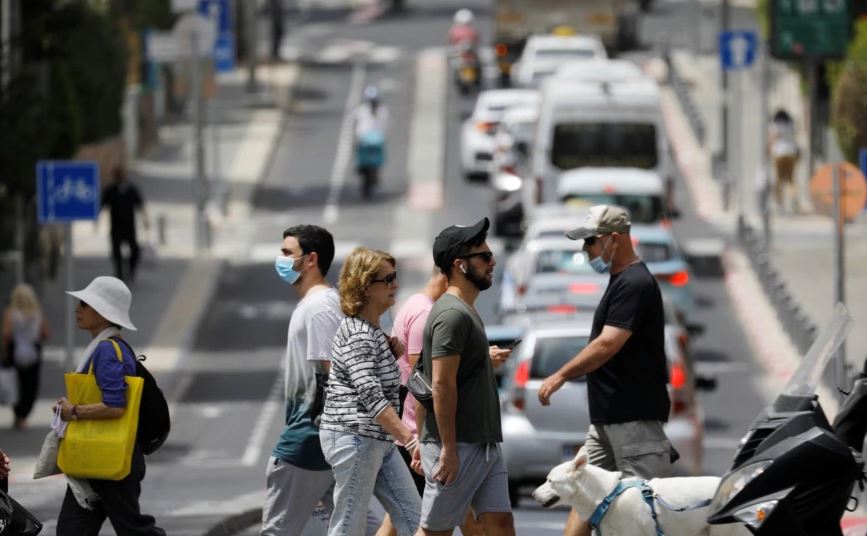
[(536, 437)]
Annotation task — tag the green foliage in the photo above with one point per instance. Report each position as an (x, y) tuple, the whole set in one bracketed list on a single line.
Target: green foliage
[(152, 14), (849, 98)]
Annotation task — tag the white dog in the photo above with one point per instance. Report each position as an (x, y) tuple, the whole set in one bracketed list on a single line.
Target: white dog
[(585, 486)]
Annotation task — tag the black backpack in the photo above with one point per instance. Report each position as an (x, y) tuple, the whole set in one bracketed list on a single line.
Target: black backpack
[(154, 421)]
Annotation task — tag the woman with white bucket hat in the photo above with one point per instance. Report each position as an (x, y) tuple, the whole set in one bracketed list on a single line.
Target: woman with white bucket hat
[(102, 310)]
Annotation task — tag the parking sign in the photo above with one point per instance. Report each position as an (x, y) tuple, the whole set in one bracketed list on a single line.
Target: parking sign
[(67, 191)]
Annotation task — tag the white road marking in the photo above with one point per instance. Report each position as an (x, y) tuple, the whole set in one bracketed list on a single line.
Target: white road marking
[(344, 146), (260, 431)]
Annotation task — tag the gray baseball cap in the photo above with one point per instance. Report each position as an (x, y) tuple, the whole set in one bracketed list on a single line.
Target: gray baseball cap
[(602, 219)]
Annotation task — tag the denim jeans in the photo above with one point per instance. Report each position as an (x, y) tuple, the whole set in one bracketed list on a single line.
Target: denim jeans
[(364, 467)]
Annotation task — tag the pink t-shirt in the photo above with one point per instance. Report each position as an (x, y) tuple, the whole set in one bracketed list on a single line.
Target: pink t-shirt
[(409, 330)]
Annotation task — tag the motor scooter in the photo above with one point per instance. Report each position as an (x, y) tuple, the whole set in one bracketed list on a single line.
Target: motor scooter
[(794, 472), (369, 158), (467, 70)]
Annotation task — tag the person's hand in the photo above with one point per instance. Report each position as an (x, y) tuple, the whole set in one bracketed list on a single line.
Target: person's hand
[(397, 347), (65, 407), (5, 465), (551, 385), (446, 471), (415, 463), (499, 355)]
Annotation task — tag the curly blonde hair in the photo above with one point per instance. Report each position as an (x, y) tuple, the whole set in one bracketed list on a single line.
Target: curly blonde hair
[(358, 270), (24, 299)]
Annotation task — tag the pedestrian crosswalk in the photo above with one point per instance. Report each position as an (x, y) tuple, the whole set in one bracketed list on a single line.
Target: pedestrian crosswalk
[(340, 51)]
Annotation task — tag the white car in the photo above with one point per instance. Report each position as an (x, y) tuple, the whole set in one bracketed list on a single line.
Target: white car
[(544, 54), (640, 191), (551, 271), (477, 132)]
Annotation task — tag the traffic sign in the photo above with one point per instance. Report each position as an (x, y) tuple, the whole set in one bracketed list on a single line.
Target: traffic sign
[(810, 28), (853, 190), (220, 13), (67, 191), (737, 49), (224, 52)]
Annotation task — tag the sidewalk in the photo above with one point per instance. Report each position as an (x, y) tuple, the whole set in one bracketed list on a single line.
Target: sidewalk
[(168, 297)]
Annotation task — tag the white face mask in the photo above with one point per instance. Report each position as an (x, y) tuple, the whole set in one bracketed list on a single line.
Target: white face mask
[(599, 264)]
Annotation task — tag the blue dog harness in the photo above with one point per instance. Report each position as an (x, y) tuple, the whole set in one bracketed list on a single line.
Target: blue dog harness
[(649, 497)]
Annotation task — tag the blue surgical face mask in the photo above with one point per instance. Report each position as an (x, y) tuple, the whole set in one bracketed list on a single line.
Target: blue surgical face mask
[(285, 267), (599, 264)]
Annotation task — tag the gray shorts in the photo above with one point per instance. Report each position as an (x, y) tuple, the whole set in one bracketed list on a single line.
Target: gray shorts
[(482, 483), (638, 448)]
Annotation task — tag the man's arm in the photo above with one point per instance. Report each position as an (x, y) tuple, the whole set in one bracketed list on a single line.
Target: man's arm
[(593, 356), (445, 399)]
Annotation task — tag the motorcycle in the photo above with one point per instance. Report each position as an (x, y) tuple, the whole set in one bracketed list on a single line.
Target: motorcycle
[(467, 69), (369, 158), (794, 472)]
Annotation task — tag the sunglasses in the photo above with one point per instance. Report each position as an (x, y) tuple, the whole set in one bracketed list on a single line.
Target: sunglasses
[(590, 240), (484, 255), (388, 280)]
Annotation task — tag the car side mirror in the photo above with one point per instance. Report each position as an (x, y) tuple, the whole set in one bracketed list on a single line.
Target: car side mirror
[(522, 148), (694, 330)]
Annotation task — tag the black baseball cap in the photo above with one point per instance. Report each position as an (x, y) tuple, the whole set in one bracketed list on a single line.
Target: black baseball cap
[(453, 242)]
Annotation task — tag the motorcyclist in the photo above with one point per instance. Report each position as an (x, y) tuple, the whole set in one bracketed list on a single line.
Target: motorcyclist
[(462, 31), (371, 114)]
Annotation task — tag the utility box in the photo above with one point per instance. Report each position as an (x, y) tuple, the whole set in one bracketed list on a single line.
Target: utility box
[(810, 29)]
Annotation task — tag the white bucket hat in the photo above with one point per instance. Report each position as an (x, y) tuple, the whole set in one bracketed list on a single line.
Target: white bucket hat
[(109, 297)]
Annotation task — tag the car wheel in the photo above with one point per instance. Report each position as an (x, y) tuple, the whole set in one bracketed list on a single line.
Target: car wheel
[(514, 496)]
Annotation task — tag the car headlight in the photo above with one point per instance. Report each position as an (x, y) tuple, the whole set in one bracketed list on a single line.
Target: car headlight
[(732, 484), (756, 514)]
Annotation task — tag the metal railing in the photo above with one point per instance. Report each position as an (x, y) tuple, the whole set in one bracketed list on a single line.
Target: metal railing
[(681, 89), (797, 325)]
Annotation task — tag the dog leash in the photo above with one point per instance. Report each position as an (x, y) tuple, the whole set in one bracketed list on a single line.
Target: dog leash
[(649, 497)]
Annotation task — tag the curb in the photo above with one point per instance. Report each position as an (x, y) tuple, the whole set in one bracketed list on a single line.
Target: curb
[(236, 523)]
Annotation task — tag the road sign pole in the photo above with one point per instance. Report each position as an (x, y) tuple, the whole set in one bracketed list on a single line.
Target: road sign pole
[(813, 74), (765, 196), (200, 188), (69, 331), (725, 22), (839, 271)]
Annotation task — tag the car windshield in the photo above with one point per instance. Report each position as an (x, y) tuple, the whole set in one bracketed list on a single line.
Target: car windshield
[(642, 208), (551, 353), (562, 261), (564, 54), (654, 251), (604, 145)]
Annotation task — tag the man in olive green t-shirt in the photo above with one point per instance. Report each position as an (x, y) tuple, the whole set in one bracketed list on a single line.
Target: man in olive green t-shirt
[(460, 439)]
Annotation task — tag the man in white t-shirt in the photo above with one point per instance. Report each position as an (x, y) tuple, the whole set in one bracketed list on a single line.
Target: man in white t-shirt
[(298, 475)]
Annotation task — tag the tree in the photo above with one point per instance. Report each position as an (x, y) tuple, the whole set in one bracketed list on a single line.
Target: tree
[(849, 97)]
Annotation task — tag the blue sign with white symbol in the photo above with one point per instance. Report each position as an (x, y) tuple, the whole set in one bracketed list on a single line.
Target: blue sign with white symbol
[(737, 49), (862, 161), (220, 11), (67, 191)]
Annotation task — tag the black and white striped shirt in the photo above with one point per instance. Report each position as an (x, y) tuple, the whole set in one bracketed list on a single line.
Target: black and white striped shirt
[(363, 381)]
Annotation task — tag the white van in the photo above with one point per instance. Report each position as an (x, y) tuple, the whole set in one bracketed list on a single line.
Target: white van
[(595, 124)]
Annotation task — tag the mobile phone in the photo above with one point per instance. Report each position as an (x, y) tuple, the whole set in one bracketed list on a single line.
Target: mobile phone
[(513, 344)]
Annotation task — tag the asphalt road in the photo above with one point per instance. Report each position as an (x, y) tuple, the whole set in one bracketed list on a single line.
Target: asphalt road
[(229, 409)]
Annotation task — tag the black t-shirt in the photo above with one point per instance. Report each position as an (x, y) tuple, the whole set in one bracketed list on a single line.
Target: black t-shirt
[(631, 386), (122, 199)]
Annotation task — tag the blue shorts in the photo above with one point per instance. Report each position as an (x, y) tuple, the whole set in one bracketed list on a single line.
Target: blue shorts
[(482, 483)]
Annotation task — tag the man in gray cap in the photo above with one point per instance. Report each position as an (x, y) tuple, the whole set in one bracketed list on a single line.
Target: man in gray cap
[(460, 439), (625, 360)]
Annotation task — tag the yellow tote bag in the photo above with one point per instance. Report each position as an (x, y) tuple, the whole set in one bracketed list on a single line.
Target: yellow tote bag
[(99, 448)]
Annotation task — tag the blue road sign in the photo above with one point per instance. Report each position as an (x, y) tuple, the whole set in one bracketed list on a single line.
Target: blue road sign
[(220, 11), (67, 191), (737, 49)]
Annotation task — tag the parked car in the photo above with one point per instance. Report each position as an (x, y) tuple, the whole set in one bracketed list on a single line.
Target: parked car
[(477, 132), (536, 437), (544, 54)]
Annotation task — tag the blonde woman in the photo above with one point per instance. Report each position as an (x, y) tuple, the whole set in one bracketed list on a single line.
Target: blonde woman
[(24, 331), (360, 422)]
